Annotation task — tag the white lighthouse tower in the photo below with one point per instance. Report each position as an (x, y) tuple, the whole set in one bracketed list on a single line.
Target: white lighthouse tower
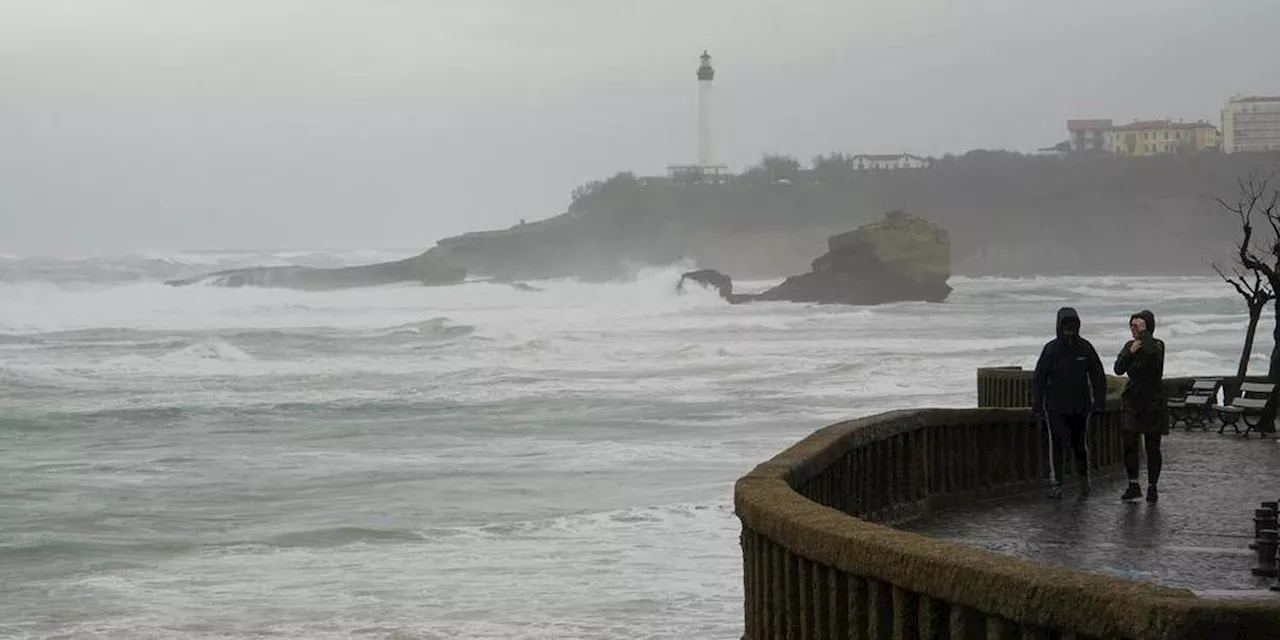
[(706, 151), (705, 171)]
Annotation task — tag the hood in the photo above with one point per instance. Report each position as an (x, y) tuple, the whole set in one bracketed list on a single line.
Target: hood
[(1064, 314), (1149, 317)]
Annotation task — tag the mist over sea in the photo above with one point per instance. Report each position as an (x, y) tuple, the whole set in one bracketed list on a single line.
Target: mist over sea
[(474, 461)]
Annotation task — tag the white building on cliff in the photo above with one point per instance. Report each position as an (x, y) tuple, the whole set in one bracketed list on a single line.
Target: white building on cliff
[(890, 161)]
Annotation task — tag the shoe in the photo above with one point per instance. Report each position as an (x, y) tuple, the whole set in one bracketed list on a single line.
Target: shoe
[(1132, 493), (1152, 494), (1055, 490)]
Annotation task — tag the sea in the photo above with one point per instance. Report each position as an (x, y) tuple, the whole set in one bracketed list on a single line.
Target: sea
[(470, 461)]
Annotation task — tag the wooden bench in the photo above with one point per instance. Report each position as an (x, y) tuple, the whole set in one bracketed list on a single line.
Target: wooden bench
[(1248, 406), (1194, 408)]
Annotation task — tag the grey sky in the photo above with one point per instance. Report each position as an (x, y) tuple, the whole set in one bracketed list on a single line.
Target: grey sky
[(178, 124)]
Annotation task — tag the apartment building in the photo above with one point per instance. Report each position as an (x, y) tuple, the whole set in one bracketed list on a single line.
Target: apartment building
[(1154, 137), (1251, 124)]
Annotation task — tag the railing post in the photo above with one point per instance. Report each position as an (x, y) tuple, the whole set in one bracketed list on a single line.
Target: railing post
[(1000, 629), (967, 624), (749, 606), (778, 592), (819, 588), (838, 592), (859, 620), (879, 610), (934, 616), (906, 614), (804, 596), (791, 567)]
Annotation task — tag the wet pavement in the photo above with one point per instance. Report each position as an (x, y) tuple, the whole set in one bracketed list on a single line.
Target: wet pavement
[(1195, 537)]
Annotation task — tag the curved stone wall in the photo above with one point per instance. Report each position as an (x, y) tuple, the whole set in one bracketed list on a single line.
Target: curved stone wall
[(820, 559)]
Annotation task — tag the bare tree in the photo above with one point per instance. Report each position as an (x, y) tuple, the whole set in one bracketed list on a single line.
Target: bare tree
[(1256, 294), (1259, 253)]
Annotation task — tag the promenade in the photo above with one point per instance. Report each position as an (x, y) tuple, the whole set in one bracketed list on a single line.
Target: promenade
[(1196, 537)]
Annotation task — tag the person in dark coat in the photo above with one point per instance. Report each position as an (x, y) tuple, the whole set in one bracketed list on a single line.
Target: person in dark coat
[(1069, 385), (1145, 410)]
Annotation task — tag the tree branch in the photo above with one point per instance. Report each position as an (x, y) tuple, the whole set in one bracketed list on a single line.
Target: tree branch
[(1252, 192), (1256, 292), (1238, 284)]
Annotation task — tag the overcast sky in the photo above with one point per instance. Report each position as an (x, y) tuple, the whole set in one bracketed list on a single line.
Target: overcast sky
[(131, 125)]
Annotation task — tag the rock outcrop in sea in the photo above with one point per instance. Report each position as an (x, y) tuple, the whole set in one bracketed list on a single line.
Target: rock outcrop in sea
[(708, 278), (899, 258), (424, 269)]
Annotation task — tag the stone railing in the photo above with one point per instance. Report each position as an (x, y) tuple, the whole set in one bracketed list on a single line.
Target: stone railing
[(1004, 387), (1011, 386), (821, 561)]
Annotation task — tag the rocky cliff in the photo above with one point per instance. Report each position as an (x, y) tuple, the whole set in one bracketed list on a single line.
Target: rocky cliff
[(1007, 214), (422, 269), (899, 258)]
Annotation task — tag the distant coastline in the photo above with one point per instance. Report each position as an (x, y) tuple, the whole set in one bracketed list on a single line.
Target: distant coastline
[(1008, 214)]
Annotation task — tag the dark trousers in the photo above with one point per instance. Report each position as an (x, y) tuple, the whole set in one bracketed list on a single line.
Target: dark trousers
[(1154, 458), (1068, 431)]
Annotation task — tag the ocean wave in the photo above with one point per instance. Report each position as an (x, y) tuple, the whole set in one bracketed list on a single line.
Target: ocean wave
[(648, 571), (201, 354), (338, 537), (1199, 362), (1138, 291), (667, 515), (41, 547), (44, 548), (7, 340), (210, 348), (160, 265), (140, 415), (150, 306), (433, 328), (1192, 328), (180, 407), (1082, 289)]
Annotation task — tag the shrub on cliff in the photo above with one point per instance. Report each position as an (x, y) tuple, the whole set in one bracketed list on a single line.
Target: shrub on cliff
[(621, 188)]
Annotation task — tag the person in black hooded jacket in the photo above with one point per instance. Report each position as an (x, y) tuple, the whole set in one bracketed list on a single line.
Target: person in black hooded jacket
[(1142, 358), (1068, 385)]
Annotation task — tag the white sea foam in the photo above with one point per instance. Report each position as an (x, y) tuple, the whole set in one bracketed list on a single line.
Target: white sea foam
[(473, 461)]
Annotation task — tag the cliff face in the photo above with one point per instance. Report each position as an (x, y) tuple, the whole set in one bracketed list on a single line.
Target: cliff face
[(1008, 215), (422, 269), (908, 245), (899, 258)]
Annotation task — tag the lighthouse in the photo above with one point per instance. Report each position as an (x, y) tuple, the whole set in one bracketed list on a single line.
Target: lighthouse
[(705, 171), (706, 155)]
